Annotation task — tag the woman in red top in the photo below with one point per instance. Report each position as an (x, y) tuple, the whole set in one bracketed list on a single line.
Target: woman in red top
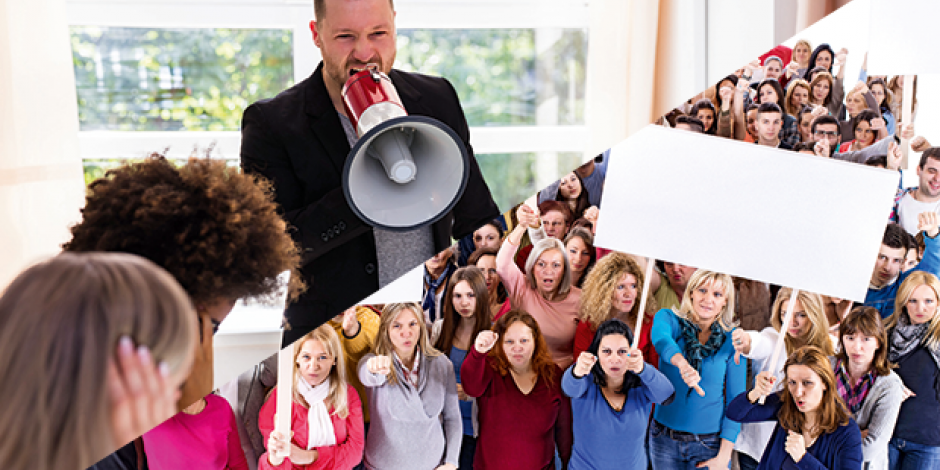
[(523, 414), (498, 297), (612, 290), (326, 414)]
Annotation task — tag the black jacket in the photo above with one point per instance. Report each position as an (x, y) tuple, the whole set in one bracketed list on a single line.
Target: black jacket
[(297, 141)]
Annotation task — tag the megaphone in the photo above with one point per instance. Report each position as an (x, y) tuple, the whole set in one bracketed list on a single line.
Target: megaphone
[(405, 172)]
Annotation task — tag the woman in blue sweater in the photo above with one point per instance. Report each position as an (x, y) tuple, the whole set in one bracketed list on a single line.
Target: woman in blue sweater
[(814, 430), (612, 392), (696, 353)]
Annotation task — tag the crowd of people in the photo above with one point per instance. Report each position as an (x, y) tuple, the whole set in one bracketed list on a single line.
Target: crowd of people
[(523, 352)]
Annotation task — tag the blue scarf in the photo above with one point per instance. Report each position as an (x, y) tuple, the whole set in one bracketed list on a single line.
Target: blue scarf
[(430, 296), (695, 351)]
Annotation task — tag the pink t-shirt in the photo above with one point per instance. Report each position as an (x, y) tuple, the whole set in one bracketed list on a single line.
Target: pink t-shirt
[(208, 440), (558, 319)]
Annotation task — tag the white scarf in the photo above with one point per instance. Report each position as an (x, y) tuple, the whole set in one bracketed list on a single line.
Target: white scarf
[(319, 425)]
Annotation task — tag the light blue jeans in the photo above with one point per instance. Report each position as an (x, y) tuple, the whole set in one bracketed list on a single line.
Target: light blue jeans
[(681, 453), (907, 455)]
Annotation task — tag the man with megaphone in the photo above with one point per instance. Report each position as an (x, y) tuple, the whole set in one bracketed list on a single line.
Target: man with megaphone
[(371, 166)]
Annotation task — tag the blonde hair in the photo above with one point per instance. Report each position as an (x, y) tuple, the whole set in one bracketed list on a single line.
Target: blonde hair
[(805, 43), (700, 278), (913, 281), (813, 306), (799, 82), (327, 337), (60, 324), (548, 244), (595, 306), (383, 342)]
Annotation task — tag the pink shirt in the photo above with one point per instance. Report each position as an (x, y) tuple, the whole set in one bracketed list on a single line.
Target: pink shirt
[(208, 440), (558, 319)]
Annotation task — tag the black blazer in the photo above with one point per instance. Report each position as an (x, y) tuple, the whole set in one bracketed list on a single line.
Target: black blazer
[(296, 140)]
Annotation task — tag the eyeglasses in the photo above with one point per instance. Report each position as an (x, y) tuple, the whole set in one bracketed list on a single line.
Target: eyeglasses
[(826, 133)]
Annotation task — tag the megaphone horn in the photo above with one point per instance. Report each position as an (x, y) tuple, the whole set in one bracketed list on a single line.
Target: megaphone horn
[(405, 171)]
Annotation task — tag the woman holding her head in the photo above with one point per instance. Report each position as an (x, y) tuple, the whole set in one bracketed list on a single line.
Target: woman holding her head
[(581, 254), (326, 414), (466, 314), (612, 392), (870, 390), (524, 417), (813, 429), (497, 295), (69, 400), (415, 415), (612, 290), (695, 352), (545, 289), (809, 327), (914, 345)]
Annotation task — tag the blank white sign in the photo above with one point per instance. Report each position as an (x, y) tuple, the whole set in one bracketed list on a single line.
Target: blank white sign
[(903, 37), (407, 288), (765, 214)]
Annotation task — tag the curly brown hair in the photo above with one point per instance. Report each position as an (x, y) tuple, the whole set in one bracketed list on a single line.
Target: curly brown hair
[(215, 229)]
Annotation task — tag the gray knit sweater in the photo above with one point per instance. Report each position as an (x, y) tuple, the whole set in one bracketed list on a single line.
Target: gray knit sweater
[(879, 414), (413, 428)]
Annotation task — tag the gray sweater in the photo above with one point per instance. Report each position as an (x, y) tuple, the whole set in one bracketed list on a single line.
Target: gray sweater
[(878, 414), (413, 428)]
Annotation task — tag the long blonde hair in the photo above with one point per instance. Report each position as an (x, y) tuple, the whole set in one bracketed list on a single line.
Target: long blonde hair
[(913, 281), (698, 279), (599, 288), (337, 398), (818, 334), (60, 324), (383, 342)]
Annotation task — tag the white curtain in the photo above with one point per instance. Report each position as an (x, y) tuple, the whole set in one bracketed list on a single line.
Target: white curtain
[(41, 182)]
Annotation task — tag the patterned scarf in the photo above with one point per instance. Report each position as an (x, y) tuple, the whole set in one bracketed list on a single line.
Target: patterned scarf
[(853, 396), (430, 296), (695, 351), (905, 337)]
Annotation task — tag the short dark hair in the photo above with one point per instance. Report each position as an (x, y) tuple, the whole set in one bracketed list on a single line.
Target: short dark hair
[(769, 108), (824, 119), (880, 161), (552, 205), (319, 8), (695, 123), (932, 152), (808, 145), (894, 237)]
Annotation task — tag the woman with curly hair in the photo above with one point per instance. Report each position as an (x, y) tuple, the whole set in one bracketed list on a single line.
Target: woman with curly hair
[(412, 390), (809, 327), (695, 352), (812, 428), (914, 345), (612, 393), (326, 413), (65, 399), (612, 290), (524, 417), (581, 253), (496, 293), (215, 229)]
